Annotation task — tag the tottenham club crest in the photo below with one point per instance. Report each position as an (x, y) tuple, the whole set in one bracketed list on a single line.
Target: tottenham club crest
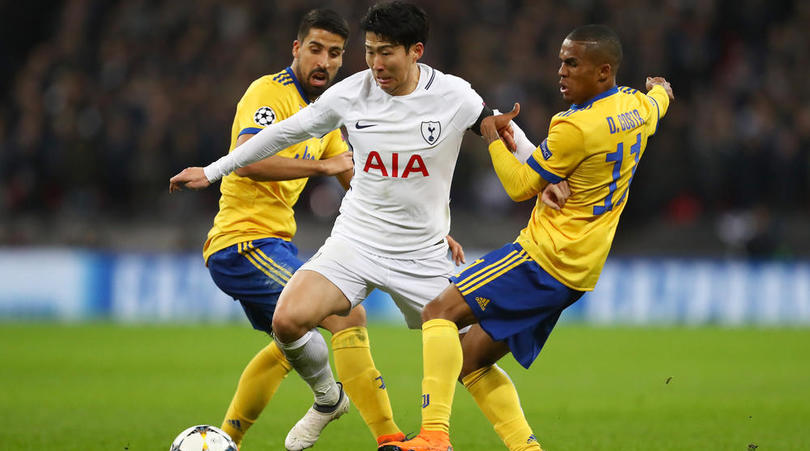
[(431, 131), (264, 116)]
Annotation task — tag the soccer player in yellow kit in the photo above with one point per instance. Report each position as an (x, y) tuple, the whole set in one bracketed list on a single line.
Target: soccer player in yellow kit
[(513, 296), (250, 255)]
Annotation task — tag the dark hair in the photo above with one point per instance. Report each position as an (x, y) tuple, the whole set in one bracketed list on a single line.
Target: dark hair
[(606, 46), (397, 22), (323, 19)]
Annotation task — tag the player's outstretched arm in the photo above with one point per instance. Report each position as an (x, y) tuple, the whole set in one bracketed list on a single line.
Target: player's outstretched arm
[(278, 168), (306, 123)]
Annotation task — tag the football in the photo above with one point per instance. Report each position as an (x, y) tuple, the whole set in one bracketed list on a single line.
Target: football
[(203, 437)]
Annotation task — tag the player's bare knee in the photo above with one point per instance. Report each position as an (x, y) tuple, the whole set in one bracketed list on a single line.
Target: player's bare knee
[(433, 310), (286, 329)]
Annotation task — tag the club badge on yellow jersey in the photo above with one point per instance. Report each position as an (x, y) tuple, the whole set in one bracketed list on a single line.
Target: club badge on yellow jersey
[(250, 210), (596, 147)]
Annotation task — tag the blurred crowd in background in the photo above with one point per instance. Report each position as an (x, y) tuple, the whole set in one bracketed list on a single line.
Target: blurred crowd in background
[(102, 101)]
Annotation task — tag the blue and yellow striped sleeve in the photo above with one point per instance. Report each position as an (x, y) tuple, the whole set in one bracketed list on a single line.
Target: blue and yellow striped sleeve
[(560, 153), (534, 162)]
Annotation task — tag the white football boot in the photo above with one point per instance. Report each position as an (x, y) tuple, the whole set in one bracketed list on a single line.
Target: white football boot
[(306, 432)]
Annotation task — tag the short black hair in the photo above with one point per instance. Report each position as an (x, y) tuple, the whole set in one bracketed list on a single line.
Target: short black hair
[(398, 22), (605, 46), (323, 19)]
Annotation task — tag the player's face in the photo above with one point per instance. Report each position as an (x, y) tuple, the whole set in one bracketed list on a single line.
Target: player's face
[(316, 60), (394, 67), (579, 76)]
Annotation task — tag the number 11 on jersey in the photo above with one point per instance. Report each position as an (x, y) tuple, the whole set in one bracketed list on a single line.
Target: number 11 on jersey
[(617, 158)]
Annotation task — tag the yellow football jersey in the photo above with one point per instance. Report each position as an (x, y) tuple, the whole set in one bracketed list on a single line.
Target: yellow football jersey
[(596, 147), (251, 210)]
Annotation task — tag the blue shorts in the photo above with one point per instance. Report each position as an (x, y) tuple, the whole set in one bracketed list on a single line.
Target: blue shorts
[(514, 299), (254, 273)]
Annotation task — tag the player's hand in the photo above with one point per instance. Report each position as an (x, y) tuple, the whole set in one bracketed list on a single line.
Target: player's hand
[(338, 164), (555, 195), (189, 178), (456, 251), (662, 82), (507, 135), (493, 127)]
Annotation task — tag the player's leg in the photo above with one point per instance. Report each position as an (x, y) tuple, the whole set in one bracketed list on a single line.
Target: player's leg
[(306, 301), (335, 279), (442, 362), (356, 370), (258, 383), (442, 356), (416, 282), (516, 304), (256, 279), (486, 291), (493, 390)]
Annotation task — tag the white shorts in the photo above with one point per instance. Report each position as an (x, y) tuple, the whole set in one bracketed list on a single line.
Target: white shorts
[(412, 283)]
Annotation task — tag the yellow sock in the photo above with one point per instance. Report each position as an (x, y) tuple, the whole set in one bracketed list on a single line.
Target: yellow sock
[(258, 383), (361, 380), (441, 354), (497, 397)]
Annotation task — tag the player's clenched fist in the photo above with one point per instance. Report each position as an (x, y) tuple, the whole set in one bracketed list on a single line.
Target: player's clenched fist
[(337, 164), (190, 178), (662, 82)]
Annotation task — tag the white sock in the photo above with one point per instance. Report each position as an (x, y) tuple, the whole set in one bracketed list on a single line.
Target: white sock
[(310, 358)]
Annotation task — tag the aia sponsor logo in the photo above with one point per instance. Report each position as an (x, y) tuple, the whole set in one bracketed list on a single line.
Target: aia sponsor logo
[(395, 168)]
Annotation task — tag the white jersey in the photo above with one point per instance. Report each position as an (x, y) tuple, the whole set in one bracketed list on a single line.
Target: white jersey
[(405, 150)]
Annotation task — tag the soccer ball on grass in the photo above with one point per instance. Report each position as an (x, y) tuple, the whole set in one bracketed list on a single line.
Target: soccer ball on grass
[(203, 437)]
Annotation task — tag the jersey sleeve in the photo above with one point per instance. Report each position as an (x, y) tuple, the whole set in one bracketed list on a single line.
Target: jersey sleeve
[(470, 104), (560, 153), (659, 101), (316, 120), (259, 107)]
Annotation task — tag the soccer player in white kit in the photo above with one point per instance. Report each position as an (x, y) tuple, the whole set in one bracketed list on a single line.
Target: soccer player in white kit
[(404, 121)]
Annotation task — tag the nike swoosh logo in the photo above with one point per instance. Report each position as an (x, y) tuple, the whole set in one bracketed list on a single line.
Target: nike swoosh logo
[(360, 126)]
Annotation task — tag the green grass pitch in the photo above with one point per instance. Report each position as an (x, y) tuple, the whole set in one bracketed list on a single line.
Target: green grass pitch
[(113, 388)]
